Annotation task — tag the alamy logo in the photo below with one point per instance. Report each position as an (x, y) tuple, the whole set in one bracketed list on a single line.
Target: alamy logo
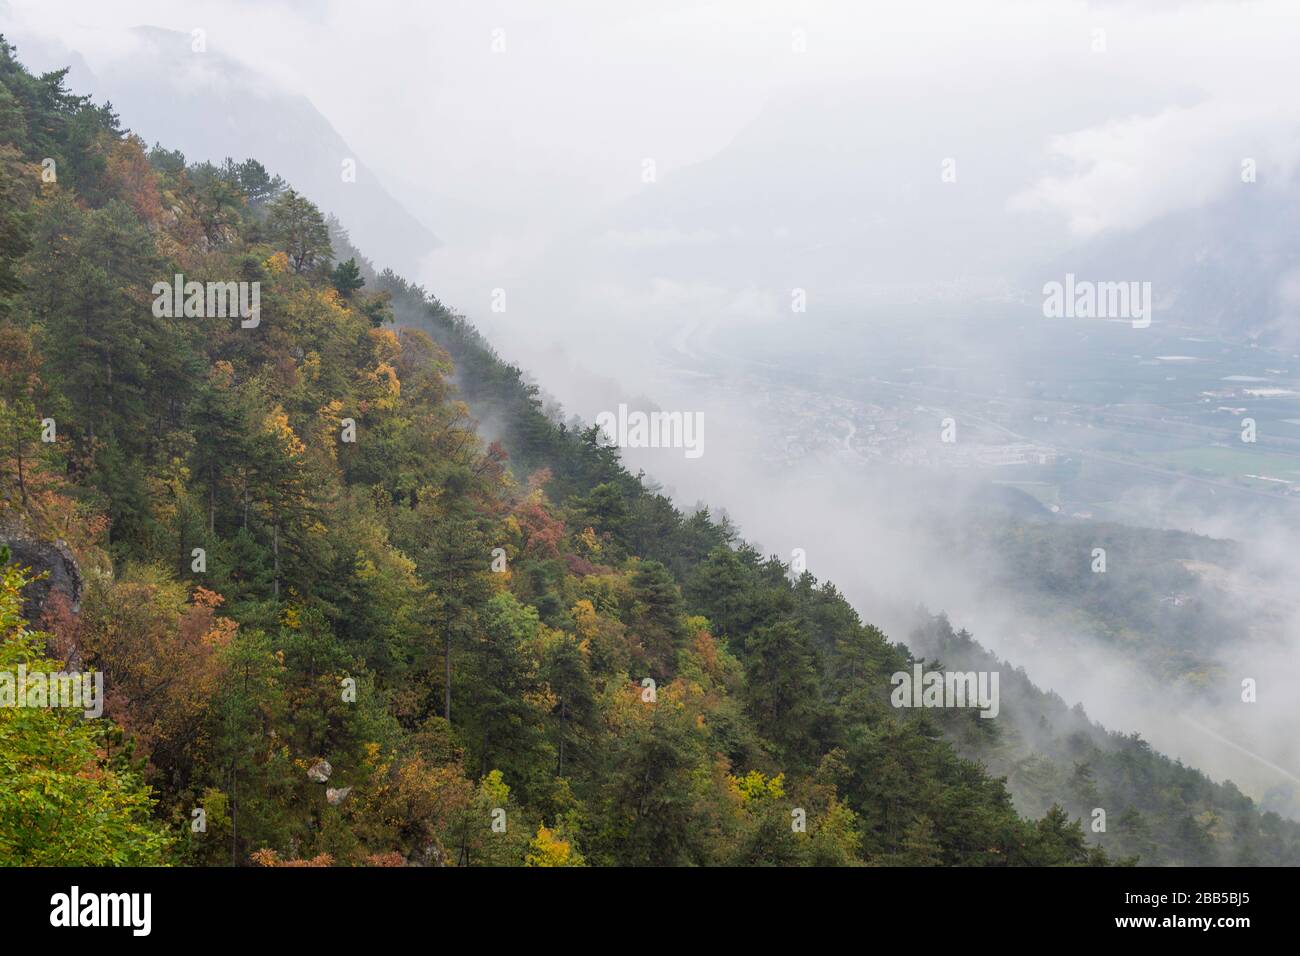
[(654, 430), (1084, 299), (73, 690), (946, 689), (103, 909), (211, 300)]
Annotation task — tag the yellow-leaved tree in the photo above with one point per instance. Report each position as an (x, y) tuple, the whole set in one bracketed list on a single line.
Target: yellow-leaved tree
[(549, 848), (63, 801)]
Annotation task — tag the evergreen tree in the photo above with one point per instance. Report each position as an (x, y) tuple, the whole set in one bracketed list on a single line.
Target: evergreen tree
[(298, 228)]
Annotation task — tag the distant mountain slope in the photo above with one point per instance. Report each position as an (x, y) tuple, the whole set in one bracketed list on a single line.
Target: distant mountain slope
[(1229, 268), (901, 196), (210, 107)]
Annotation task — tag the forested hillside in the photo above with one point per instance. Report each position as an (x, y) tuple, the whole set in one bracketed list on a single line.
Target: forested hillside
[(1158, 809), (337, 627)]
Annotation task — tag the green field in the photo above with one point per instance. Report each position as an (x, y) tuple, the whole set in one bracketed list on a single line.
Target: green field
[(1229, 462)]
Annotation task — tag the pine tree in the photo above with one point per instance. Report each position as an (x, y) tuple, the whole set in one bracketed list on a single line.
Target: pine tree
[(782, 693), (298, 228)]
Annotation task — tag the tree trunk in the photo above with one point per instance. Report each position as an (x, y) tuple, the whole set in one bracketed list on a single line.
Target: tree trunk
[(22, 485), (446, 706), (234, 814), (564, 724)]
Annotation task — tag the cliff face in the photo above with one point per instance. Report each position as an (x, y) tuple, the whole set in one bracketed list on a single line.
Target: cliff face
[(51, 562)]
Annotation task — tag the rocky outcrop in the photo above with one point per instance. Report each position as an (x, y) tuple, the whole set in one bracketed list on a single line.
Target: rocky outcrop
[(51, 562)]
